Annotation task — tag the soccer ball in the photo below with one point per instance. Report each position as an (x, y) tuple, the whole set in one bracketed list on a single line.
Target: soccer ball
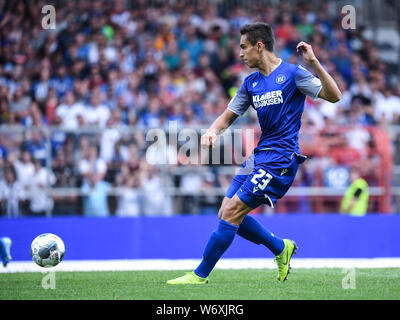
[(47, 250)]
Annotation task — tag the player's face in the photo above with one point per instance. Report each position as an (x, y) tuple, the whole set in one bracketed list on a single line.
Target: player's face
[(248, 53)]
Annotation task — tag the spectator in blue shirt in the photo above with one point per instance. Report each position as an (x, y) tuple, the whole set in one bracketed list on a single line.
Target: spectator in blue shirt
[(95, 193)]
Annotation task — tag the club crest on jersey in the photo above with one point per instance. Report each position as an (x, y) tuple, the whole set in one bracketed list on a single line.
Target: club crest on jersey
[(280, 78), (267, 99)]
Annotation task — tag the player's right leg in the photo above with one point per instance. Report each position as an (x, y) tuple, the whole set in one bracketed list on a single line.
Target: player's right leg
[(5, 245), (231, 216), (188, 278)]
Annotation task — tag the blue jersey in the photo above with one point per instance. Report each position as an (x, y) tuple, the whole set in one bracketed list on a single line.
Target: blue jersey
[(279, 101)]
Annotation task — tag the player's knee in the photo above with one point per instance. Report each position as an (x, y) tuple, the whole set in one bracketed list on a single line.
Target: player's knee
[(232, 212), (220, 212), (221, 209)]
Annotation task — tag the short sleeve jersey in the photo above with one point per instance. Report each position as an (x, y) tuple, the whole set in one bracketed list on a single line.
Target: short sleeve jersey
[(279, 102)]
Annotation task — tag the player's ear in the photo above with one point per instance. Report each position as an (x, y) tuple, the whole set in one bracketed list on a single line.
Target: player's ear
[(260, 46)]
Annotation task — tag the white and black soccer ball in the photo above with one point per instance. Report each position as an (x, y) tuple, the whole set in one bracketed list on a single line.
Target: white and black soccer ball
[(47, 250)]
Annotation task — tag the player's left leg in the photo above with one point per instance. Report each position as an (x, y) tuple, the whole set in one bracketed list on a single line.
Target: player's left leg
[(232, 214), (253, 231)]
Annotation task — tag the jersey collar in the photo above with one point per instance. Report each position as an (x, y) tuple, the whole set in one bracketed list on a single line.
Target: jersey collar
[(279, 64)]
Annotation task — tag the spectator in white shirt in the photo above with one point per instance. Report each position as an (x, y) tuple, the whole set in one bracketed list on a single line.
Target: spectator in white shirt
[(96, 113), (387, 107), (129, 198), (156, 201), (11, 193), (111, 135), (25, 169), (40, 200), (69, 112), (92, 164)]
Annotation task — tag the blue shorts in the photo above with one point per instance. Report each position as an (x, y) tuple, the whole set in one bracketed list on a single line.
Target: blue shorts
[(265, 177)]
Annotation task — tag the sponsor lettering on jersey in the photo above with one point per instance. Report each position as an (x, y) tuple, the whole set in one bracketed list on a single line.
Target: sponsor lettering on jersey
[(267, 99)]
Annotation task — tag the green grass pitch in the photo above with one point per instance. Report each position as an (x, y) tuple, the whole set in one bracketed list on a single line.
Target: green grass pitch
[(245, 284)]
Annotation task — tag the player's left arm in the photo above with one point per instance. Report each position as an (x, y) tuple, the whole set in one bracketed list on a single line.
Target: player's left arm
[(329, 90)]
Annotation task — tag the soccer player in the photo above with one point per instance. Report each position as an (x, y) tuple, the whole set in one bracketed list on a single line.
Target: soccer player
[(277, 92)]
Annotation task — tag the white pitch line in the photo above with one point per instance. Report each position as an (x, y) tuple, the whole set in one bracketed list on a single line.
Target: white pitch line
[(190, 264)]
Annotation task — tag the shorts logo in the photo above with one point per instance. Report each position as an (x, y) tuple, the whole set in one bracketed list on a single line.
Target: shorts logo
[(280, 78)]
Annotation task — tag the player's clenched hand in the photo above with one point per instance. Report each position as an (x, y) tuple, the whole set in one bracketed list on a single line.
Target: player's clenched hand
[(308, 53), (208, 139)]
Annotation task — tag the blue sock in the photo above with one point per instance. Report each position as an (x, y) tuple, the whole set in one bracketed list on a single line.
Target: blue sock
[(219, 241), (253, 231)]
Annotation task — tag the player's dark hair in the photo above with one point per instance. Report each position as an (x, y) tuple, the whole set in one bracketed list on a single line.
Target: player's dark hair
[(259, 31)]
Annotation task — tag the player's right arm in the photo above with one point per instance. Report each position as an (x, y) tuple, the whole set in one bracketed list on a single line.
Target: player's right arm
[(218, 126), (236, 107)]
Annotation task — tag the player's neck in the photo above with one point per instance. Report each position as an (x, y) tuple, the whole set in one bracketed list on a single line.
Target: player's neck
[(269, 63)]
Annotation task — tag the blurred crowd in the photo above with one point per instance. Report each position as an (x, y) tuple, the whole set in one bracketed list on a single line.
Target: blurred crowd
[(120, 65)]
